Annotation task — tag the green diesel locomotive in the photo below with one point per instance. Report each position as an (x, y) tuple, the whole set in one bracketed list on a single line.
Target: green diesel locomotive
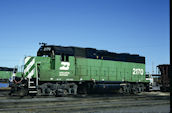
[(58, 70), (6, 73)]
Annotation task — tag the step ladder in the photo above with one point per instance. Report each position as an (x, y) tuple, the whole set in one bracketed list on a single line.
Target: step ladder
[(32, 86)]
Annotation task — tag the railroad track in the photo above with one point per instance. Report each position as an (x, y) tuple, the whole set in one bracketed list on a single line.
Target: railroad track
[(77, 104)]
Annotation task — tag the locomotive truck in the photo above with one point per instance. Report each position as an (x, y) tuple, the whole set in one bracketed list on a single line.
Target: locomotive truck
[(59, 70)]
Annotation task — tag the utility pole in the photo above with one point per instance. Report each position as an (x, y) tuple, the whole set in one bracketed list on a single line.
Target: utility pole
[(152, 68)]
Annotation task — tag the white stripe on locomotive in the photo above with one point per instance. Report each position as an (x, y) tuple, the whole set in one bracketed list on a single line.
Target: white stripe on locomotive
[(29, 66), (31, 73), (27, 71), (26, 59)]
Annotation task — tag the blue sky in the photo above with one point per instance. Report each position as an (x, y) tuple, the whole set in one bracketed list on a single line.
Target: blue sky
[(122, 26)]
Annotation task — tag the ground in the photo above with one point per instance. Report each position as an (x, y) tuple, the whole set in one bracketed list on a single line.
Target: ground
[(147, 102)]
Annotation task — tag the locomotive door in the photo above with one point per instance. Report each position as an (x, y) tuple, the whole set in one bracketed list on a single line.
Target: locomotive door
[(37, 73)]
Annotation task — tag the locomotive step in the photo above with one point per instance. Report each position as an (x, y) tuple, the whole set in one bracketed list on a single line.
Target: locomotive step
[(32, 91), (31, 81), (32, 86)]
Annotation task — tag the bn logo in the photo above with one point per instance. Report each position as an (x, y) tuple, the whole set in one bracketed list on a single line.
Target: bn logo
[(64, 66)]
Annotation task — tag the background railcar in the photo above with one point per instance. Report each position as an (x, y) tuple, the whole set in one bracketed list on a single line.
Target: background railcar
[(165, 76), (58, 70), (5, 73)]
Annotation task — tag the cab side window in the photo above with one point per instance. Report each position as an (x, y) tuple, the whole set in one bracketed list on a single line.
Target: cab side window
[(67, 58), (64, 58)]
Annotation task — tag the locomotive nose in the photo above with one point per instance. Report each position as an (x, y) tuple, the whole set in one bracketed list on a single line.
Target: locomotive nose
[(29, 67)]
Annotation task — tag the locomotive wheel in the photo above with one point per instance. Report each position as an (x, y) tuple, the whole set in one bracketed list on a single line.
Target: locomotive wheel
[(135, 89), (142, 87), (121, 90), (82, 90), (65, 93), (22, 92), (124, 90), (39, 92), (127, 90)]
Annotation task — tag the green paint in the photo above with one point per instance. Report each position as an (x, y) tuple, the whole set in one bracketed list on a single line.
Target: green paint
[(8, 74), (5, 74), (88, 69)]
